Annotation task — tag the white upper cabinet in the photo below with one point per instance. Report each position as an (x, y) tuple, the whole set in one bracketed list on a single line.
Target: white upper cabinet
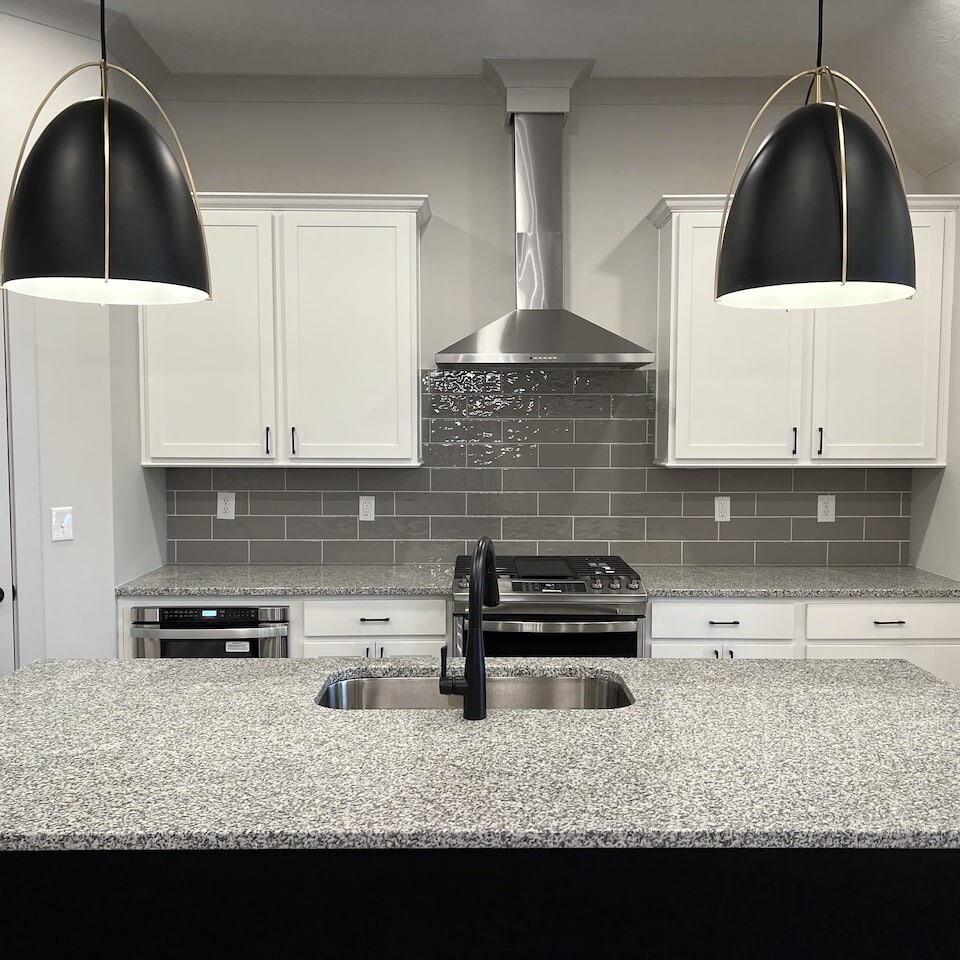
[(351, 336), (308, 352), (762, 387), (207, 369)]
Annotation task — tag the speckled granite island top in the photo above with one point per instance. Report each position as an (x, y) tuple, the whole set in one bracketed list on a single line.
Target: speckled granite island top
[(236, 754), (810, 582), (291, 580)]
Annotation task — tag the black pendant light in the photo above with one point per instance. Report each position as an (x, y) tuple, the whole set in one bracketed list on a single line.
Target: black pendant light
[(101, 211), (819, 217)]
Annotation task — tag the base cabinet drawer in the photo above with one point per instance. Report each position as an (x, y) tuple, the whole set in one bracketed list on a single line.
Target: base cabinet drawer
[(399, 617), (941, 659), (705, 650), (720, 621), (374, 648), (883, 621)]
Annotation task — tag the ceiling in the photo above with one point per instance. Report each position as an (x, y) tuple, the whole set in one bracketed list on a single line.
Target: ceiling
[(905, 53)]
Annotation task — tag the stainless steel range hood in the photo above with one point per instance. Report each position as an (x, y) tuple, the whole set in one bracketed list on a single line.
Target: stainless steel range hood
[(540, 331)]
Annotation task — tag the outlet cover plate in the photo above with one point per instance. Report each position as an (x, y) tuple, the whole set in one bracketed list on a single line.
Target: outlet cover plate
[(721, 509), (826, 508), (226, 506), (368, 508)]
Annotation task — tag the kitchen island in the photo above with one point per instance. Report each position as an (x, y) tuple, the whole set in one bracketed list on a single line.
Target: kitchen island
[(236, 755)]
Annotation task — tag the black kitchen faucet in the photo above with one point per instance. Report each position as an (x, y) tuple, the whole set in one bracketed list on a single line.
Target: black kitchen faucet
[(472, 686)]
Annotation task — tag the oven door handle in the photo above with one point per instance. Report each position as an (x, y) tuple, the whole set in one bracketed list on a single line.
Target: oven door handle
[(208, 633), (560, 626)]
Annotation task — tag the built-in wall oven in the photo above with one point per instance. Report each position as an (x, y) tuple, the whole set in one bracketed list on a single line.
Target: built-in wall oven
[(556, 607), (212, 631)]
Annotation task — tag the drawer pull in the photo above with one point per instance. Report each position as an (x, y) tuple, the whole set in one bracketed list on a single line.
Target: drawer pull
[(731, 654), (366, 652), (374, 619), (890, 623), (724, 623), (716, 654), (794, 451)]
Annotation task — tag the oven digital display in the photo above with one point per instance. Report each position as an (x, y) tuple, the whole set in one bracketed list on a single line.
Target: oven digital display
[(208, 613)]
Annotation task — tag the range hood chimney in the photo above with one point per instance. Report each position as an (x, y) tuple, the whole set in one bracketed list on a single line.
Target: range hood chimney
[(540, 332)]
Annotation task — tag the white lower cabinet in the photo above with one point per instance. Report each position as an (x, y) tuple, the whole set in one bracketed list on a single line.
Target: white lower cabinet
[(941, 659), (704, 650), (375, 627)]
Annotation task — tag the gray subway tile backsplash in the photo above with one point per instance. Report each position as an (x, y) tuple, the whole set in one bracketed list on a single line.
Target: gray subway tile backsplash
[(545, 461)]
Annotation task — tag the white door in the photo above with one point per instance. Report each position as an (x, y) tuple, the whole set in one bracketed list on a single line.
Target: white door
[(351, 320), (691, 650), (876, 369), (941, 659), (748, 650), (738, 376), (209, 368), (7, 639), (408, 648), (338, 648)]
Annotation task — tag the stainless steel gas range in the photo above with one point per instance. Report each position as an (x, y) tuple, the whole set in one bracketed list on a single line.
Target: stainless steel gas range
[(556, 607)]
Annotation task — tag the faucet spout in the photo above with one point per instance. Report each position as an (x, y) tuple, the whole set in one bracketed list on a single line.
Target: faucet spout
[(484, 591)]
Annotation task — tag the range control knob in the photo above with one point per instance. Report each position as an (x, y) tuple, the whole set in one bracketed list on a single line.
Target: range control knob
[(463, 583), (615, 583), (596, 583), (633, 584)]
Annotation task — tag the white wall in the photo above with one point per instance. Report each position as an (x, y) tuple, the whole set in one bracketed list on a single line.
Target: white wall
[(621, 157), (74, 406)]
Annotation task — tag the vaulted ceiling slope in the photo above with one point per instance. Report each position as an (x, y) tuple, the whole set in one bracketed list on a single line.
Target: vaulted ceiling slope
[(903, 52)]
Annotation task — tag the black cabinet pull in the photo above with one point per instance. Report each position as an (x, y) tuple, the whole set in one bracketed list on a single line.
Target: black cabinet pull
[(366, 652), (794, 441), (374, 619), (716, 654), (724, 623), (890, 623), (2, 594), (268, 441), (820, 448), (381, 653), (731, 654), (293, 441)]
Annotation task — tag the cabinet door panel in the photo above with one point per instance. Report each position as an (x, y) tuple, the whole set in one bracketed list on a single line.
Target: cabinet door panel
[(350, 285), (758, 651), (702, 650), (208, 368), (941, 659), (739, 372), (876, 369), (338, 648), (408, 648)]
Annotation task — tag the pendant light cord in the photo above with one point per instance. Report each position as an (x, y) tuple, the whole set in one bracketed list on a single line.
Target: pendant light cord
[(820, 36), (103, 29)]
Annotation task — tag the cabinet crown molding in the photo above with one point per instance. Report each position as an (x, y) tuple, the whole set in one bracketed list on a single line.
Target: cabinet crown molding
[(412, 203)]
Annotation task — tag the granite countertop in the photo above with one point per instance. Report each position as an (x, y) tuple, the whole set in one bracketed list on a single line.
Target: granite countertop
[(434, 579), (211, 754), (292, 580), (811, 582)]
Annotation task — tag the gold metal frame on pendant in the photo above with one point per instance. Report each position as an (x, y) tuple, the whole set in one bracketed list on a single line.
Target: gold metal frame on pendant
[(104, 67), (816, 75)]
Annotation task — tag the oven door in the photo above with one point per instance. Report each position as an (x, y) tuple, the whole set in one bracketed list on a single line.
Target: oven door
[(512, 634), (220, 642)]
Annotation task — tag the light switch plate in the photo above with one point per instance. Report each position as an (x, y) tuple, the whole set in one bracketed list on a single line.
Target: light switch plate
[(61, 523)]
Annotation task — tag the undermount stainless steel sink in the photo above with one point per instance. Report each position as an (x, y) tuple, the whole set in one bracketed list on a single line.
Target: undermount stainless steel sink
[(503, 693)]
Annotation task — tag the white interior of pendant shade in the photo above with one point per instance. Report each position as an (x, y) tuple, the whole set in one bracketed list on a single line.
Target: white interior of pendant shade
[(819, 293), (113, 291)]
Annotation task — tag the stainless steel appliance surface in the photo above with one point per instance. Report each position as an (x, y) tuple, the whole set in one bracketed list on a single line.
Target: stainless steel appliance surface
[(211, 631), (556, 606)]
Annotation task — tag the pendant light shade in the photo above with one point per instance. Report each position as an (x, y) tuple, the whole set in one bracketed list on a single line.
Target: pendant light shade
[(817, 222), (131, 237)]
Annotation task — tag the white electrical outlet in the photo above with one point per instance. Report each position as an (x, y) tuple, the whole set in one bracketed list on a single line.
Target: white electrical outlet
[(826, 508), (368, 508), (226, 506), (721, 509), (61, 523)]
